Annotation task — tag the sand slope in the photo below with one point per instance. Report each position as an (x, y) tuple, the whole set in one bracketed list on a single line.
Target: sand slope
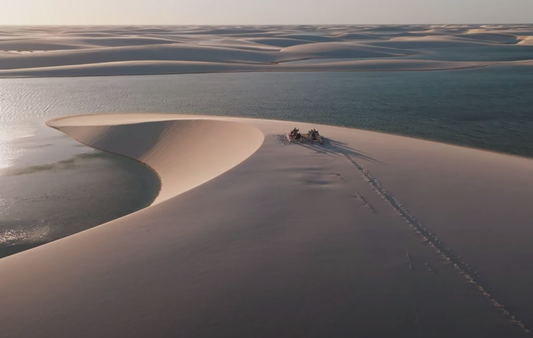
[(196, 145), (358, 237), (339, 50)]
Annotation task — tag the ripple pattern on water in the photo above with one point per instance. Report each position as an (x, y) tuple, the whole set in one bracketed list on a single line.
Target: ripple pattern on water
[(486, 108)]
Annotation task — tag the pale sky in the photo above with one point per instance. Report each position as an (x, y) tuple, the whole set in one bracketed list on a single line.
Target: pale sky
[(214, 12)]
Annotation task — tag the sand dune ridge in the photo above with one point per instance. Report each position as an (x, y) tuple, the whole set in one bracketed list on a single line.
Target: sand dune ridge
[(184, 153)]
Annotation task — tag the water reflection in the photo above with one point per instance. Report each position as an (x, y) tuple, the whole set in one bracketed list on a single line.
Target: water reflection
[(10, 133)]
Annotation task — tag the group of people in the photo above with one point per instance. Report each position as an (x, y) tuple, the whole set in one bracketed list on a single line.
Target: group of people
[(314, 135), (295, 135)]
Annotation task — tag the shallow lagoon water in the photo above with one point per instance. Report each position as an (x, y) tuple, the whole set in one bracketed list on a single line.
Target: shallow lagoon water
[(43, 203), (487, 108)]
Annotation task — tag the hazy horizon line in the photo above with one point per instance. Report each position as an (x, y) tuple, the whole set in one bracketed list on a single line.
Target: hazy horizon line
[(277, 24)]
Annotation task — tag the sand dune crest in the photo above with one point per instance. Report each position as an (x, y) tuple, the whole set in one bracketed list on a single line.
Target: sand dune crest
[(184, 153)]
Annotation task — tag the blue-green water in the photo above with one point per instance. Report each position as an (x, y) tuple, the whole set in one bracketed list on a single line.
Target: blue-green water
[(482, 53), (489, 108)]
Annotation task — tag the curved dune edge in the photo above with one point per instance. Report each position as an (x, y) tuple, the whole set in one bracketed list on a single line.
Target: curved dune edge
[(184, 153), (294, 233), (120, 68)]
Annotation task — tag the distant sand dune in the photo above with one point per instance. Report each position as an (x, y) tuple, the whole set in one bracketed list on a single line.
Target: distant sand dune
[(341, 50), (278, 42), (187, 67), (127, 50), (78, 42), (357, 36), (423, 42), (128, 68), (491, 37), (526, 40), (41, 44), (387, 65), (175, 52), (250, 44), (310, 38), (123, 41)]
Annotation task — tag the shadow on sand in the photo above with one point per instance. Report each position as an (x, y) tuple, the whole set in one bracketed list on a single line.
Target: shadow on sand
[(331, 147)]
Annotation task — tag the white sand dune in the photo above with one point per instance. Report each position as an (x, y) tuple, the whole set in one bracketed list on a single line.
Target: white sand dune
[(40, 45), (429, 42), (193, 159), (126, 50), (358, 36), (311, 38), (439, 30), (88, 34), (340, 50), (78, 42), (389, 28), (384, 65), (508, 30), (521, 63), (491, 37), (227, 31), (526, 40), (175, 52), (295, 240), (188, 67), (248, 44), (123, 41), (278, 42)]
